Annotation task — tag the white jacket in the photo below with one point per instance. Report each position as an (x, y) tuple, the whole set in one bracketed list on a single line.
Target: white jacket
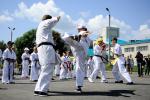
[(46, 53)]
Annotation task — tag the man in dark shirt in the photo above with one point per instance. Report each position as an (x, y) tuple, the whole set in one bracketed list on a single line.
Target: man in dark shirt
[(139, 59), (147, 67)]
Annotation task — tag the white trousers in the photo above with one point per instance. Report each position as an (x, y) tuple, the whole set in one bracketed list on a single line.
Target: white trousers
[(69, 74), (25, 69), (99, 66), (45, 77), (63, 73), (57, 69), (118, 69), (34, 72), (80, 72), (7, 75), (90, 70)]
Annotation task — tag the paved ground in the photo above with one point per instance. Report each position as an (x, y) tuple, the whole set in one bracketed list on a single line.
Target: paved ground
[(64, 90)]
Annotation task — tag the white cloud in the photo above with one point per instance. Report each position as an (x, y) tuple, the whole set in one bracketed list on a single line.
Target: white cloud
[(99, 22), (96, 24), (37, 10), (5, 18), (142, 33)]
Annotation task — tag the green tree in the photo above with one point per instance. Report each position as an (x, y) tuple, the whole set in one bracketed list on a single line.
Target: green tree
[(2, 45), (61, 46), (27, 40)]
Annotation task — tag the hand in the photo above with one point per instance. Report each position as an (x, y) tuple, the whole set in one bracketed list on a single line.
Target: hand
[(58, 17)]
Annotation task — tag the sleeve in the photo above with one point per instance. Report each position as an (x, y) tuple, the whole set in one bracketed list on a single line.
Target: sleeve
[(23, 56), (52, 22), (14, 56), (32, 57), (117, 50), (97, 50), (5, 55), (71, 42)]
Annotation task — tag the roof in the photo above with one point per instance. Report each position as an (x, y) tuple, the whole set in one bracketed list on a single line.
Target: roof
[(132, 42)]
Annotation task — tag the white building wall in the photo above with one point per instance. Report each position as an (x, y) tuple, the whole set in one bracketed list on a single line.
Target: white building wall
[(144, 49)]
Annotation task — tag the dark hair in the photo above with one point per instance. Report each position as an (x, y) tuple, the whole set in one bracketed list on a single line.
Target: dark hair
[(114, 39), (45, 17), (10, 43)]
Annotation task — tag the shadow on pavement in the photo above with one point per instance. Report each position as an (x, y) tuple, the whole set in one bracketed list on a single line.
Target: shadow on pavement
[(3, 88), (26, 83), (115, 93), (141, 84)]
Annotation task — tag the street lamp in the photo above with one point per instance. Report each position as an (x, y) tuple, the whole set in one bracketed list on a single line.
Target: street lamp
[(11, 30), (108, 33)]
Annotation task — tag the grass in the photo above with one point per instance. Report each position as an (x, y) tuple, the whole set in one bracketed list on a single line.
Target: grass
[(109, 68)]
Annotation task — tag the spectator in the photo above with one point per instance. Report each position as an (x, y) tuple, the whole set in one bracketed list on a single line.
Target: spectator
[(147, 67), (131, 64), (128, 64), (139, 59)]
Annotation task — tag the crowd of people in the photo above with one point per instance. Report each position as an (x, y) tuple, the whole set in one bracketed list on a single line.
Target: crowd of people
[(143, 62), (46, 62)]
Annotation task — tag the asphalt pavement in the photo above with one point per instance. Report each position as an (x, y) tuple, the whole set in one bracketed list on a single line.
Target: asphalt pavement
[(64, 90)]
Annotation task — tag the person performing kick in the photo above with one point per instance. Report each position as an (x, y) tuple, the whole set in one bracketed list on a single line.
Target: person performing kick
[(79, 54)]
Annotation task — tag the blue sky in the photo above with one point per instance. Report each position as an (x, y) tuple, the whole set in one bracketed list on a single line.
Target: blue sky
[(131, 16)]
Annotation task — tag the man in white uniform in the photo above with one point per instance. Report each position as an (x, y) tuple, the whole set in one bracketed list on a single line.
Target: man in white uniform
[(35, 66), (63, 66), (79, 54), (25, 63), (57, 67), (1, 56), (119, 64), (98, 61), (9, 58), (85, 42), (46, 53)]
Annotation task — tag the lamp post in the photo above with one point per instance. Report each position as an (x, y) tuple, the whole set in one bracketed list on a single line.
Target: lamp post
[(109, 32), (11, 31)]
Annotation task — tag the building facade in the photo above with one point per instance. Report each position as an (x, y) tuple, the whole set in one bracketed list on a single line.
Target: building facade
[(133, 46)]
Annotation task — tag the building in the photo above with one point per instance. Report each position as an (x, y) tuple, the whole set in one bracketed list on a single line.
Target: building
[(133, 46), (110, 32)]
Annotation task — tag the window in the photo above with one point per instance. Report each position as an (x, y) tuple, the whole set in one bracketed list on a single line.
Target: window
[(131, 49), (142, 48)]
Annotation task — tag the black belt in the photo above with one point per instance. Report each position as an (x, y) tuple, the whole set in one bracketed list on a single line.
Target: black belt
[(47, 43), (102, 57)]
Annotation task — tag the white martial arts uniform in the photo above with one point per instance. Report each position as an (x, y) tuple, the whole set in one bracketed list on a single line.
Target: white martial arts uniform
[(90, 65), (63, 66), (1, 56), (57, 69), (85, 42), (35, 66), (46, 53), (69, 68), (25, 65), (119, 65), (99, 64), (79, 54), (74, 67), (8, 66)]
